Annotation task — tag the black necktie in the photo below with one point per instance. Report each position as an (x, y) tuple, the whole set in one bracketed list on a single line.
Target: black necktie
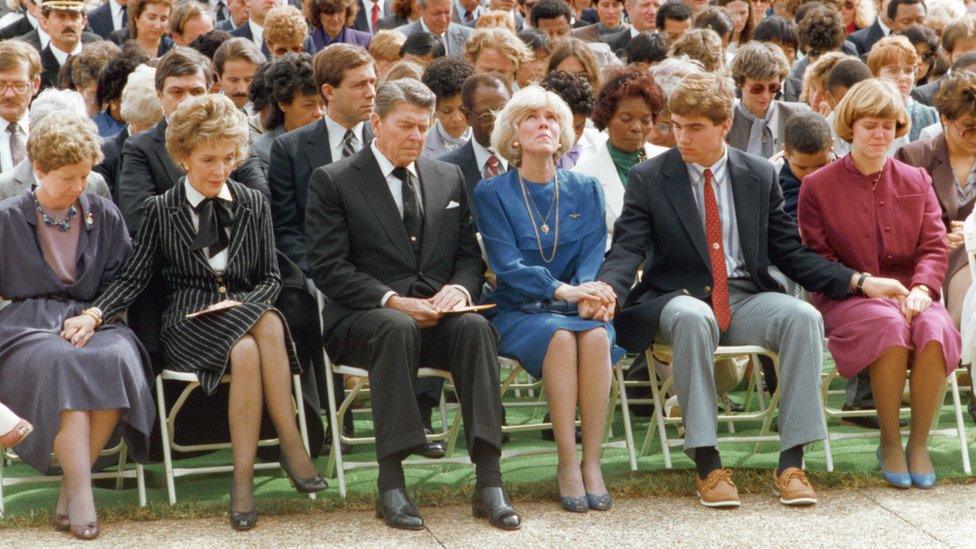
[(221, 11), (125, 17), (413, 221), (216, 216)]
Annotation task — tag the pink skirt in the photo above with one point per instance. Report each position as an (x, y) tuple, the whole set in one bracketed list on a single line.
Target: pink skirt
[(861, 329)]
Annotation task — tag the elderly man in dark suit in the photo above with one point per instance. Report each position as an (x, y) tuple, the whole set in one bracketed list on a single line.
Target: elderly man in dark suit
[(392, 246), (482, 95), (706, 222), (435, 18)]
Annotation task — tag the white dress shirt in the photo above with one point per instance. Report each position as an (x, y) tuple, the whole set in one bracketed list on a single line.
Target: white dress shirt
[(62, 56), (337, 132), (257, 33), (218, 262), (481, 156), (735, 263), (368, 4), (396, 189), (6, 161), (117, 17)]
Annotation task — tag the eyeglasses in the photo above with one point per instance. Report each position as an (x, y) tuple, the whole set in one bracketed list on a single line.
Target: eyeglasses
[(968, 132), (757, 89), (19, 88), (486, 117)]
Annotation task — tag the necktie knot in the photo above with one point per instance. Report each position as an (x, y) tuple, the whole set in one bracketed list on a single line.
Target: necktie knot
[(18, 143), (492, 166), (349, 144)]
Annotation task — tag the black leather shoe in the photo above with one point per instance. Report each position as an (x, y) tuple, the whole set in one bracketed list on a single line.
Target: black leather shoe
[(327, 441), (241, 521), (494, 505), (396, 510), (310, 485), (431, 450)]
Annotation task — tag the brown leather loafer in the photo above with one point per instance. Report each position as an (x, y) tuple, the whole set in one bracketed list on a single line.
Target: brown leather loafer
[(717, 490), (792, 487)]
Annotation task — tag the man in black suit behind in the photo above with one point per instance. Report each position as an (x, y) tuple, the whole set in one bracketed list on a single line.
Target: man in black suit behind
[(481, 96), (392, 246), (109, 17)]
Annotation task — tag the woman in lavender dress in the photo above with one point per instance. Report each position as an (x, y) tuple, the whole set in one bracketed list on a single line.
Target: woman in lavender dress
[(60, 247)]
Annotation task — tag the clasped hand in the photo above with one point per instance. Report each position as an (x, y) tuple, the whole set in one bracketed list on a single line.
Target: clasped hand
[(428, 312), (912, 302), (77, 330), (955, 237), (595, 300)]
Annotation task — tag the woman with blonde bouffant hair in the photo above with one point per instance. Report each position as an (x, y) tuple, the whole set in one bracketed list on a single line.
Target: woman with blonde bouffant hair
[(213, 241), (544, 233)]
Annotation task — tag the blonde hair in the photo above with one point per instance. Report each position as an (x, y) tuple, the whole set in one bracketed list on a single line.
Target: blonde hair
[(526, 100), (818, 71), (702, 45), (285, 25), (14, 53), (872, 98), (386, 44), (405, 69), (60, 139), (206, 119), (502, 40), (889, 51), (707, 95), (496, 18)]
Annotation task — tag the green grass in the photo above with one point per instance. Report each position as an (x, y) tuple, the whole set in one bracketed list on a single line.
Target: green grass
[(528, 478)]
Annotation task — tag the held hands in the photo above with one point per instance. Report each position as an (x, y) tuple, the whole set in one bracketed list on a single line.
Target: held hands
[(917, 301), (955, 237), (878, 287), (595, 300), (421, 310), (78, 330)]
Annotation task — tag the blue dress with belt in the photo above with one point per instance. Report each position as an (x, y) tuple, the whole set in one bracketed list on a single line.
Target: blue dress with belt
[(524, 277)]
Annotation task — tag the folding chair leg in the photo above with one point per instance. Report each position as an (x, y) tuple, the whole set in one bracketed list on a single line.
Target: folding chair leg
[(120, 479), (3, 459), (141, 484), (302, 421), (960, 426), (335, 455), (828, 452), (164, 434), (625, 410), (659, 417)]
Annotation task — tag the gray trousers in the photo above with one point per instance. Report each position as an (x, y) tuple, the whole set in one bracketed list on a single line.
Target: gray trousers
[(781, 323)]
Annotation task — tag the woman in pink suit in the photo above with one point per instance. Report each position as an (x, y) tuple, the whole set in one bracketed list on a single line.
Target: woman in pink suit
[(881, 217)]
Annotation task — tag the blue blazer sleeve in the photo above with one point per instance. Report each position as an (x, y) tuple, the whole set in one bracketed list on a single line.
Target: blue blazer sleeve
[(504, 256)]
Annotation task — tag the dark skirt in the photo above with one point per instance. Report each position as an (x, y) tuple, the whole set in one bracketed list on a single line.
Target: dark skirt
[(41, 375), (202, 345)]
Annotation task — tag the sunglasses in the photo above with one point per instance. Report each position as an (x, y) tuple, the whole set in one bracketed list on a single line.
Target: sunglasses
[(757, 89)]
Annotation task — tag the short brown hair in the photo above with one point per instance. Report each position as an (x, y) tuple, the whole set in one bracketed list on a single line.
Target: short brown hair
[(500, 39), (135, 9), (961, 29), (957, 95), (60, 139), (88, 64), (386, 44), (707, 95), (204, 119), (182, 61), (316, 8), (890, 50), (574, 47), (237, 48), (702, 45), (759, 61), (872, 98), (819, 70), (15, 53), (331, 63), (285, 25), (182, 13)]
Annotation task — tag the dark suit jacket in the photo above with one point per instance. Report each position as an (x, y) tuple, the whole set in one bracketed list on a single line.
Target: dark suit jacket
[(100, 20), (34, 39), (147, 171), (49, 69), (463, 157), (18, 28), (358, 249), (866, 37), (661, 229), (225, 25), (244, 31), (362, 16), (294, 156), (618, 41), (591, 33), (391, 22), (925, 94), (112, 162)]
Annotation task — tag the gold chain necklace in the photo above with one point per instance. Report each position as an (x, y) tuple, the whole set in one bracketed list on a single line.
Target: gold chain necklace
[(545, 227)]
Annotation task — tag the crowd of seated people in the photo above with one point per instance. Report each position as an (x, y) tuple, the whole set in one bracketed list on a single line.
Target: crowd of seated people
[(601, 175)]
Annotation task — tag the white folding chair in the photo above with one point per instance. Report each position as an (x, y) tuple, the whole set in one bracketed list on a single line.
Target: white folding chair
[(119, 474), (764, 413), (167, 424)]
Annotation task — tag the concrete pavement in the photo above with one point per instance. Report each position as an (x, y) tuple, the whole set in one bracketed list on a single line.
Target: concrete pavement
[(943, 517)]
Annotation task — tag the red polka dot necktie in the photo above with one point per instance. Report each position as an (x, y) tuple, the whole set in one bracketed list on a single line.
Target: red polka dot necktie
[(716, 252)]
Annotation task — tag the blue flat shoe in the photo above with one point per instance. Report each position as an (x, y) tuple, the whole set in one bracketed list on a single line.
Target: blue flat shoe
[(924, 481), (898, 480), (599, 503)]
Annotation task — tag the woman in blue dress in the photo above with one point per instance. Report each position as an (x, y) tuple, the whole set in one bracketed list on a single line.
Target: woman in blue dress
[(544, 233)]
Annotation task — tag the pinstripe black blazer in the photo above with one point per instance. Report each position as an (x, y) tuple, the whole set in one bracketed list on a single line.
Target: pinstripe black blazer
[(164, 242)]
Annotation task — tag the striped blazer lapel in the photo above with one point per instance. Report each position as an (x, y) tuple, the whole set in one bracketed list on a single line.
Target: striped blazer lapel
[(243, 218), (183, 225)]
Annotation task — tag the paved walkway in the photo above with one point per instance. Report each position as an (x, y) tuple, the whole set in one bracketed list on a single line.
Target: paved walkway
[(944, 517)]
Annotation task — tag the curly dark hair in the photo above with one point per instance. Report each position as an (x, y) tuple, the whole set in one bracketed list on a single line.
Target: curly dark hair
[(208, 42), (114, 76), (316, 8), (821, 30), (259, 90), (422, 43), (629, 82), (286, 77), (957, 96), (777, 29), (445, 76), (648, 47), (575, 90), (675, 10)]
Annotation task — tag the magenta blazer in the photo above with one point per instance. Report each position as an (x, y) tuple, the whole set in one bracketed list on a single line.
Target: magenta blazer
[(894, 231)]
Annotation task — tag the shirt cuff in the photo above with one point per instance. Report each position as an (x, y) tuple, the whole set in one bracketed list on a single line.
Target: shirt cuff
[(467, 296), (386, 297)]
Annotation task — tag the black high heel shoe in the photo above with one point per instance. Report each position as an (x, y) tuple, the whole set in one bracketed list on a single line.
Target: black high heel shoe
[(310, 485), (241, 521)]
